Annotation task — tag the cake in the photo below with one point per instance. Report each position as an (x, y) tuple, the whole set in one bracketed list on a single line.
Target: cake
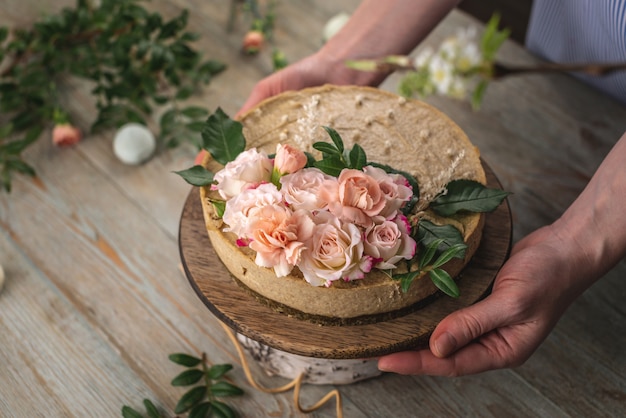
[(402, 133)]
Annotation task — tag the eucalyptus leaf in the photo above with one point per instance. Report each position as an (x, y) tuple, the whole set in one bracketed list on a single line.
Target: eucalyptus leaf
[(223, 388), (427, 232), (223, 137), (222, 410), (200, 410), (444, 282), (188, 377), (331, 165), (467, 195), (218, 370), (196, 176), (190, 399), (151, 409), (128, 412), (336, 138), (358, 159), (184, 359)]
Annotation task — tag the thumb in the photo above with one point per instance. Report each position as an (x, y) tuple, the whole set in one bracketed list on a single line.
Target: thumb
[(463, 326)]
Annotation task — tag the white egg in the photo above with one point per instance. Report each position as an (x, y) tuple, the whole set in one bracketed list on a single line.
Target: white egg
[(133, 144)]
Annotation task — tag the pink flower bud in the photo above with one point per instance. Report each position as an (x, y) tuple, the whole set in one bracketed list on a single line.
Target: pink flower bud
[(65, 135), (253, 41), (288, 159)]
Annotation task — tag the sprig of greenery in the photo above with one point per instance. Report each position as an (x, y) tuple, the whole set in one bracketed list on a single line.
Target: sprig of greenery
[(136, 60), (467, 195), (201, 400)]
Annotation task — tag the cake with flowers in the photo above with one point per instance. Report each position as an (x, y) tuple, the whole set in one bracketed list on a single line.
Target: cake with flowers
[(343, 204)]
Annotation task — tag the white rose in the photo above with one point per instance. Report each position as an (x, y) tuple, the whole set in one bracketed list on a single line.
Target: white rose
[(388, 242), (239, 209), (335, 251), (249, 169), (300, 189)]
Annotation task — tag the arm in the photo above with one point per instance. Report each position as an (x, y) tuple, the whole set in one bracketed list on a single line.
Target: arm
[(547, 271), (376, 28)]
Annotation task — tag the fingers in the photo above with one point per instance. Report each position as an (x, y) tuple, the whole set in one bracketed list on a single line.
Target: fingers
[(461, 327), (471, 359)]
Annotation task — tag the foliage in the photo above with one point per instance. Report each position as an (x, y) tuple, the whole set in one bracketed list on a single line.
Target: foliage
[(201, 400), (136, 60), (223, 139)]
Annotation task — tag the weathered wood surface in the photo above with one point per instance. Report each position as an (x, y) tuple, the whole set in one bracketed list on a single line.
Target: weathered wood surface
[(95, 301)]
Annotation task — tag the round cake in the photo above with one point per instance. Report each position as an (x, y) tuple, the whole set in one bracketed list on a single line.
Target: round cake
[(402, 133)]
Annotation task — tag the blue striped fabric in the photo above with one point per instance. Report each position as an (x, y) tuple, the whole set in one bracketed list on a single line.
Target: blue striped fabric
[(582, 31)]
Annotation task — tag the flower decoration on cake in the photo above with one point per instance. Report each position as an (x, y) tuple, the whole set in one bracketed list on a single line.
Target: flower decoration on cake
[(335, 217)]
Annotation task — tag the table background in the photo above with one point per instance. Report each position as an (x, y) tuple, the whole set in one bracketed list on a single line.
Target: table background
[(95, 299)]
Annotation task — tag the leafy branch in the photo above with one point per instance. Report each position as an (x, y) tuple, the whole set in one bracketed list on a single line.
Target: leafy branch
[(201, 401), (136, 60)]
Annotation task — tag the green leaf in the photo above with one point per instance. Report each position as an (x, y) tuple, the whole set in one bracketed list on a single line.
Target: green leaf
[(326, 148), (219, 206), (223, 388), (190, 399), (449, 254), (444, 282), (406, 279), (184, 359), (429, 252), (427, 232), (195, 112), (188, 377), (467, 195), (358, 159), (128, 412), (223, 137), (218, 370), (200, 410), (331, 165), (152, 410), (478, 94), (196, 176), (334, 135), (222, 410)]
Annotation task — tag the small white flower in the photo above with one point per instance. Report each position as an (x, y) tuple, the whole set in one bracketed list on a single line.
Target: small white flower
[(441, 72)]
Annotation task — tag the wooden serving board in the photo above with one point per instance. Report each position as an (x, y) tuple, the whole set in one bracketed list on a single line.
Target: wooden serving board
[(244, 314)]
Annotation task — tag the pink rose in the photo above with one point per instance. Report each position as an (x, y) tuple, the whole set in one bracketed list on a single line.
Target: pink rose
[(300, 189), (395, 188), (253, 41), (241, 207), (388, 242), (278, 236), (335, 251), (355, 197), (249, 169), (288, 159), (65, 134)]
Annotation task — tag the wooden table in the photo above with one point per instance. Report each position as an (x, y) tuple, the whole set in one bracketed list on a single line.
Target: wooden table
[(95, 299)]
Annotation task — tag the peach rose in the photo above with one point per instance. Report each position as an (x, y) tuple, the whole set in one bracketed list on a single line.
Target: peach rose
[(288, 159), (300, 189), (278, 236), (65, 134), (335, 251), (355, 197), (248, 170), (240, 208), (395, 188), (388, 242), (253, 41)]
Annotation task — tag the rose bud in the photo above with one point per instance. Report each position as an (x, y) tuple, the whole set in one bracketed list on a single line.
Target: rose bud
[(253, 41), (65, 134)]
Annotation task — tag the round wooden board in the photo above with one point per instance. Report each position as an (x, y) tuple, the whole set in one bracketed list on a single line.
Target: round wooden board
[(244, 314)]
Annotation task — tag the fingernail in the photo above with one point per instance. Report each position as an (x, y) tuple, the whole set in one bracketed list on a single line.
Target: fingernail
[(444, 345)]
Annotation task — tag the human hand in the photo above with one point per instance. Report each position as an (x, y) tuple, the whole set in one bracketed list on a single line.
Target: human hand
[(530, 293)]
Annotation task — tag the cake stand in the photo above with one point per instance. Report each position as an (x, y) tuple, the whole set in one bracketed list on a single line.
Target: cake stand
[(287, 346)]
